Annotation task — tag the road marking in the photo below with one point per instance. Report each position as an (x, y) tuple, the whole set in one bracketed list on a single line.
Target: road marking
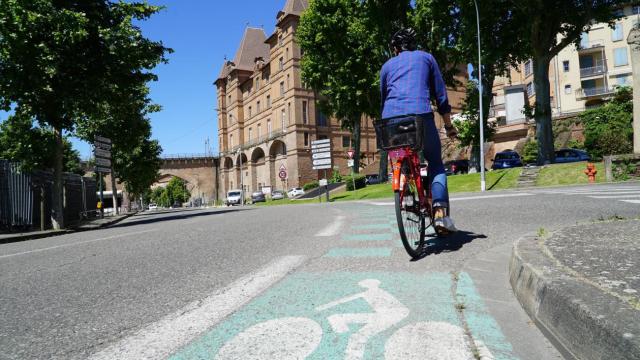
[(332, 229), (367, 237), (359, 252), (77, 243), (162, 338), (632, 201), (436, 340), (614, 197), (497, 196)]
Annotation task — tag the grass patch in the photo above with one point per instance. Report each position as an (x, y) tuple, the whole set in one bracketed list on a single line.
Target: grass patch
[(496, 180), (568, 174)]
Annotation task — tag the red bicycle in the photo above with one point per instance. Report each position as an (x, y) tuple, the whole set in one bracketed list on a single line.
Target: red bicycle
[(401, 137)]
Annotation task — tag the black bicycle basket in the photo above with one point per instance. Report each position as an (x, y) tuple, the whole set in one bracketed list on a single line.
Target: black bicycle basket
[(399, 132)]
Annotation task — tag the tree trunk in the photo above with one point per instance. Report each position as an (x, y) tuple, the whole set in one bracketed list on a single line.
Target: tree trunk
[(114, 193), (356, 140), (57, 218), (546, 154)]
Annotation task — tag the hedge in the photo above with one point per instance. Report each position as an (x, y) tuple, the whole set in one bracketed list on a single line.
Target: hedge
[(311, 185), (359, 180)]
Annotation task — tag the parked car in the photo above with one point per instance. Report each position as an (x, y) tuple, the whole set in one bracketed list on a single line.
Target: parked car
[(234, 197), (293, 192), (571, 155), (455, 167), (257, 197), (176, 205), (153, 206), (372, 179), (506, 159), (277, 195)]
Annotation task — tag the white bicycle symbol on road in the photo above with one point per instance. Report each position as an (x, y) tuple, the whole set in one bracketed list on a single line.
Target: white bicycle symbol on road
[(299, 337)]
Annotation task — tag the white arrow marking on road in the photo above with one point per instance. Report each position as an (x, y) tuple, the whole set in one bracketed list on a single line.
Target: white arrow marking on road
[(161, 339), (77, 243)]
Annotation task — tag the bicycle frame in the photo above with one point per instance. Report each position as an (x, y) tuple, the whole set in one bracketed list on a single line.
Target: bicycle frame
[(396, 157)]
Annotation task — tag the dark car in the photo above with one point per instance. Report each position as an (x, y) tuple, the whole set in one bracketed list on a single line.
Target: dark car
[(372, 179), (455, 167), (506, 159), (571, 155), (257, 197)]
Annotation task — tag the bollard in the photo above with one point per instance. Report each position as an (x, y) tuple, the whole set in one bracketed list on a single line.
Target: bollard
[(591, 172)]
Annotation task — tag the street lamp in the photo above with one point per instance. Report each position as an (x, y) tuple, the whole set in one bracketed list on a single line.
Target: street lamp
[(483, 182), (241, 178)]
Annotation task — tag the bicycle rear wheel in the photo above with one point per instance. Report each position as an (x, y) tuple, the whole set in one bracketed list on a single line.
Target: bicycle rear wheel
[(408, 215)]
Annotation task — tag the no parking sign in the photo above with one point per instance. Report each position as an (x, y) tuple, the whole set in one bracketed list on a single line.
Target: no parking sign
[(282, 173)]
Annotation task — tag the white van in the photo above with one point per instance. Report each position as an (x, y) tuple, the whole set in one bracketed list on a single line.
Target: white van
[(234, 197)]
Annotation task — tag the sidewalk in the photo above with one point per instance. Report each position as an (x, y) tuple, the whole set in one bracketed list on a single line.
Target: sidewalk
[(581, 286), (86, 225)]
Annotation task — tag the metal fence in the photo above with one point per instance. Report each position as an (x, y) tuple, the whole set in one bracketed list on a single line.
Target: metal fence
[(16, 197), (26, 198)]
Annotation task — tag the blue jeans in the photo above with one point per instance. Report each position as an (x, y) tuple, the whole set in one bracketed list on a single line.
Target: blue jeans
[(432, 150)]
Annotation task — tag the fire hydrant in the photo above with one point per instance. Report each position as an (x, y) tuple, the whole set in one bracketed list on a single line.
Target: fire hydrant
[(591, 172)]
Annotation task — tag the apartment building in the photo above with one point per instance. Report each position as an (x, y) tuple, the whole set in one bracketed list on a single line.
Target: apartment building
[(267, 117), (580, 77)]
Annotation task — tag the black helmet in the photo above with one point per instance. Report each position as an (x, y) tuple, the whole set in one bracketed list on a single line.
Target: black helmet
[(404, 39)]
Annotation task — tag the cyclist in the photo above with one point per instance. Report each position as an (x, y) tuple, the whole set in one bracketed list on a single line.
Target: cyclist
[(408, 83)]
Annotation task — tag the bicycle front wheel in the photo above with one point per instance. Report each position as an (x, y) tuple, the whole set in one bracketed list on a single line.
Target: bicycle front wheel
[(409, 217)]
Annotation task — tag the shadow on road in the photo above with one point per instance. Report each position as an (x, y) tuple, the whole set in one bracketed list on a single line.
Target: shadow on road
[(453, 242), (180, 216)]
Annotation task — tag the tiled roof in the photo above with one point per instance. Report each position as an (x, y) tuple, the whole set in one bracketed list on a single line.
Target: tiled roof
[(294, 7), (251, 47)]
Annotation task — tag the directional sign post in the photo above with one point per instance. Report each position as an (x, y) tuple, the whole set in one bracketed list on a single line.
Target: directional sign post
[(102, 153), (321, 160)]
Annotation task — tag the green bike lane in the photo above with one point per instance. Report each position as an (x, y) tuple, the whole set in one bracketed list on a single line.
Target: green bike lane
[(362, 299)]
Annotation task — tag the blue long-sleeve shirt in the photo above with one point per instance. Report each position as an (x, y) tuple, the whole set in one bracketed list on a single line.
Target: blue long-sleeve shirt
[(408, 83)]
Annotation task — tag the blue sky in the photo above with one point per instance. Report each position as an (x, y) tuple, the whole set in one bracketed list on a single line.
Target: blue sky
[(201, 32)]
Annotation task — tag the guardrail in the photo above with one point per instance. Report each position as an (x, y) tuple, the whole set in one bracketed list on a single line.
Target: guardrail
[(599, 69), (591, 92)]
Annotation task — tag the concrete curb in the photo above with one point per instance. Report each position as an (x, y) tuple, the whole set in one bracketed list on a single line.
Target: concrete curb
[(582, 321)]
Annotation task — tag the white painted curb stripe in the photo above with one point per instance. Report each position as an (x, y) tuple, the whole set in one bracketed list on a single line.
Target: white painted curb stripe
[(632, 201), (162, 338), (332, 229), (614, 197), (77, 243)]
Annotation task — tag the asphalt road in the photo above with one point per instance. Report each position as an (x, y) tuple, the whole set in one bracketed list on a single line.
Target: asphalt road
[(327, 281)]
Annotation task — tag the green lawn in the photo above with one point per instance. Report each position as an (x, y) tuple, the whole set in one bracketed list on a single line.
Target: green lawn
[(567, 174)]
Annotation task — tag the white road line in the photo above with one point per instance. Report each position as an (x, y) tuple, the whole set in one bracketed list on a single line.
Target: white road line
[(77, 243), (632, 201), (162, 338), (497, 196), (614, 197), (637, 192), (332, 229)]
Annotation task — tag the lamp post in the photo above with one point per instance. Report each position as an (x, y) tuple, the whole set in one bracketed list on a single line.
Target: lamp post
[(483, 182)]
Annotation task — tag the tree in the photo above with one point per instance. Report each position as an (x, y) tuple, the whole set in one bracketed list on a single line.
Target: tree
[(34, 147), (345, 45), (608, 130), (548, 32), (61, 60)]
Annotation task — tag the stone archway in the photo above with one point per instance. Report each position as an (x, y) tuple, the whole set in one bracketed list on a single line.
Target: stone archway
[(241, 174), (259, 171), (227, 172)]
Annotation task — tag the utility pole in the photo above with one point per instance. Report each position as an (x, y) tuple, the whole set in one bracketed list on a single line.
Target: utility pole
[(483, 183)]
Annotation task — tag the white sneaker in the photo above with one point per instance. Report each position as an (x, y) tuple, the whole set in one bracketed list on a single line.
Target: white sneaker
[(445, 225)]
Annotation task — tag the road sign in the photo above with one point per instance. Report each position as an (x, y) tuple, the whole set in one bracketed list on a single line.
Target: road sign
[(350, 162), (103, 140), (104, 170), (322, 162), (350, 153), (102, 146), (323, 155), (282, 173), (323, 182), (323, 141), (322, 167), (103, 162), (322, 147), (106, 154)]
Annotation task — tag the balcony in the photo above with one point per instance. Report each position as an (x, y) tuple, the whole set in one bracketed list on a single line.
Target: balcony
[(497, 110), (254, 142), (598, 70), (599, 91), (590, 46)]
